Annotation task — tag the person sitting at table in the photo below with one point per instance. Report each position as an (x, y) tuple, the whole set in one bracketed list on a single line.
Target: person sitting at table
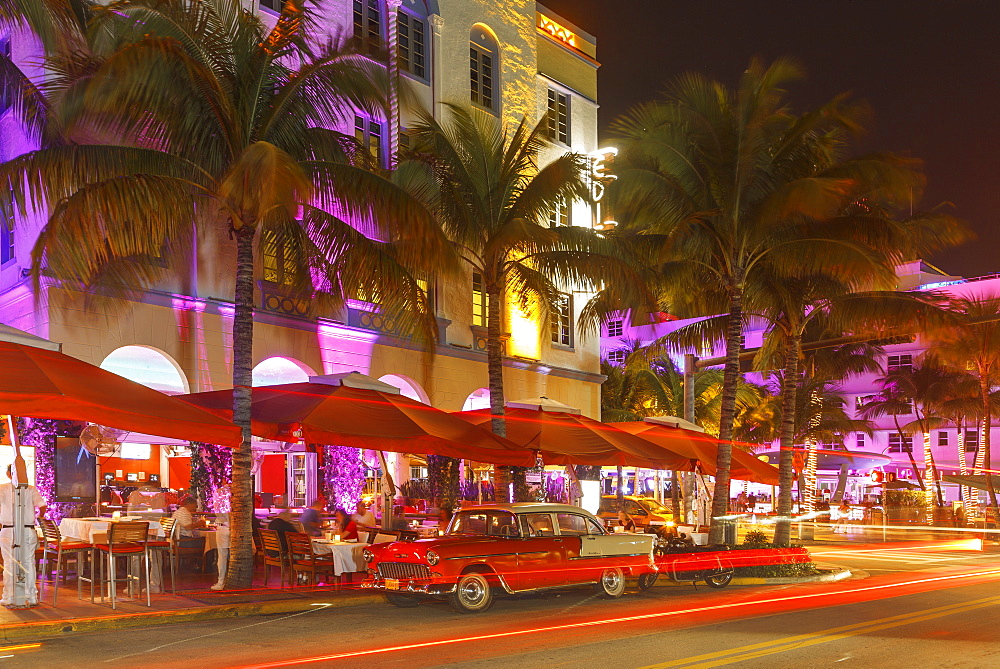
[(187, 526), (310, 518), (282, 524), (626, 521), (346, 527), (362, 516)]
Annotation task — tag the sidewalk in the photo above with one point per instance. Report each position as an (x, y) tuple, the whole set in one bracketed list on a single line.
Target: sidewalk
[(75, 615)]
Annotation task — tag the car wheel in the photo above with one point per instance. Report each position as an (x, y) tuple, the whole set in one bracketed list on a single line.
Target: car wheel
[(472, 594), (648, 580), (612, 583), (719, 580), (402, 601)]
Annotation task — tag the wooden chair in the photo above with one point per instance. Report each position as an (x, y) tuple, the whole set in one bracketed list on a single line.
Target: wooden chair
[(165, 545), (187, 548), (126, 539), (275, 555), (54, 544), (303, 559)]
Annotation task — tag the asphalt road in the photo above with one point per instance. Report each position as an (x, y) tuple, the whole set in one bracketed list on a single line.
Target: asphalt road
[(909, 606)]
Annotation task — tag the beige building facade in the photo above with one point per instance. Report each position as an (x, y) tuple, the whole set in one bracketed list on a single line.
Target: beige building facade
[(513, 59)]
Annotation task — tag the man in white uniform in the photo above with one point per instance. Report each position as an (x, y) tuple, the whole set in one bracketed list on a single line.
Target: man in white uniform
[(25, 554)]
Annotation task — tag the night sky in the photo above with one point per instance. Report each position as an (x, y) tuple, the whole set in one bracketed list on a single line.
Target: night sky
[(929, 68)]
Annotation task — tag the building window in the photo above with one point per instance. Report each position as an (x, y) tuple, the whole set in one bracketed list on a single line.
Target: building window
[(411, 34), (899, 363), (368, 26), (616, 328), (561, 320), (6, 99), (557, 119), (898, 444), (272, 4), (279, 258), (617, 357), (368, 132), (480, 302), (942, 438), (560, 214), (483, 63), (859, 442), (972, 440)]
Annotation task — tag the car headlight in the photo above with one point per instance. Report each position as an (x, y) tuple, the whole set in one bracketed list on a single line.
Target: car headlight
[(368, 556), (433, 558)]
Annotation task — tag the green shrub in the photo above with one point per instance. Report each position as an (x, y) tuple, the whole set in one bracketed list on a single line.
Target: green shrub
[(755, 540)]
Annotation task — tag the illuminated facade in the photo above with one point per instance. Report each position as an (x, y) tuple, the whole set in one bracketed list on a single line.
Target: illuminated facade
[(886, 441), (510, 59)]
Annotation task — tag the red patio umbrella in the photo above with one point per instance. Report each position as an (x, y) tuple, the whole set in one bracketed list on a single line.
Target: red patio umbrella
[(565, 438), (44, 383), (320, 413), (703, 448)]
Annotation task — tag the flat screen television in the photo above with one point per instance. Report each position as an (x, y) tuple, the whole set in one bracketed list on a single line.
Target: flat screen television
[(76, 472)]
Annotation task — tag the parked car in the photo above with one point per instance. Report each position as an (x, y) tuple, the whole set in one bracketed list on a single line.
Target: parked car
[(643, 510), (510, 548)]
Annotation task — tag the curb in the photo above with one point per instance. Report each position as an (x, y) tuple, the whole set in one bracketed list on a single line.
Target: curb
[(61, 627), (831, 576)]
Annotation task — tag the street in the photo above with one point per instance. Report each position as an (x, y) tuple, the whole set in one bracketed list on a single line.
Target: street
[(907, 605)]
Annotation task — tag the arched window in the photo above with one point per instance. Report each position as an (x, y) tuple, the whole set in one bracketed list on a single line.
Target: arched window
[(484, 69), (277, 370), (148, 366), (413, 39)]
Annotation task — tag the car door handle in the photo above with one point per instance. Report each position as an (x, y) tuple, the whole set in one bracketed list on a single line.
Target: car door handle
[(558, 541)]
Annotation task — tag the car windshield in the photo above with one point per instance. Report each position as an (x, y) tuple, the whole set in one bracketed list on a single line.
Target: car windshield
[(654, 506), (484, 524)]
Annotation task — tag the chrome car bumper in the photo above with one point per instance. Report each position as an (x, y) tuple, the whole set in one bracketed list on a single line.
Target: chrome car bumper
[(410, 587)]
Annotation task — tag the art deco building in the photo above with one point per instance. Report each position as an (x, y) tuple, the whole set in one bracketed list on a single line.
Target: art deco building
[(511, 59)]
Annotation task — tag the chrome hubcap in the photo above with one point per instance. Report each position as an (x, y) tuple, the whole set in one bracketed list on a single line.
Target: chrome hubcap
[(473, 591), (611, 580)]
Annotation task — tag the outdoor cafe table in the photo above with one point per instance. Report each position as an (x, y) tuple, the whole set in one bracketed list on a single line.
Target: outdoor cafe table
[(347, 556), (95, 531)]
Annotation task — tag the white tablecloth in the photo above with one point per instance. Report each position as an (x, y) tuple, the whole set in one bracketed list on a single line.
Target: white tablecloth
[(96, 531), (347, 557)]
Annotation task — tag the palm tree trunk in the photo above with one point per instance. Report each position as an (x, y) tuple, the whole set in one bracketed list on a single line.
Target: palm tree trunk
[(909, 452), (930, 475), (963, 465), (984, 443), (240, 572), (786, 454), (494, 367), (727, 415)]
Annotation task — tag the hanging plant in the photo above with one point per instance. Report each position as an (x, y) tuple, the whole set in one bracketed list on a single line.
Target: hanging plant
[(343, 474), (211, 472), (442, 475)]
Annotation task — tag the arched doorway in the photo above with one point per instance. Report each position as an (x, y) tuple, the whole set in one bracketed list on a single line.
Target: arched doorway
[(407, 387), (277, 370), (477, 399), (149, 366)]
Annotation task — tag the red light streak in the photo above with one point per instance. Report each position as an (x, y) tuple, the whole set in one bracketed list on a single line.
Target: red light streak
[(612, 621)]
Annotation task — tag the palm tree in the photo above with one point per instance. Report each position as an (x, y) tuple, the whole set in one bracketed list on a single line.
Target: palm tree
[(961, 404), (732, 184), (493, 199), (974, 344), (192, 120)]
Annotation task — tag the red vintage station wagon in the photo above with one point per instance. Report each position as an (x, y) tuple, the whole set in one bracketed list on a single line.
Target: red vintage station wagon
[(511, 548)]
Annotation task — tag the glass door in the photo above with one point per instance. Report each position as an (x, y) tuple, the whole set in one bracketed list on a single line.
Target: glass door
[(301, 479)]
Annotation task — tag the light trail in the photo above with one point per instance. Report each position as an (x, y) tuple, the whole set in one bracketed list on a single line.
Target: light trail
[(613, 621)]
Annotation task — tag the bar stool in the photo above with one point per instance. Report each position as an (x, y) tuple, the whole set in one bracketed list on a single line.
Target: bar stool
[(54, 543), (165, 546), (126, 539)]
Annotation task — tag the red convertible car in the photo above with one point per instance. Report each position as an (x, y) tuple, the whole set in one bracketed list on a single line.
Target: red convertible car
[(511, 548)]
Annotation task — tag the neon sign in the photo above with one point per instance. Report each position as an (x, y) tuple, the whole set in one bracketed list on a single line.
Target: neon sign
[(561, 33)]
